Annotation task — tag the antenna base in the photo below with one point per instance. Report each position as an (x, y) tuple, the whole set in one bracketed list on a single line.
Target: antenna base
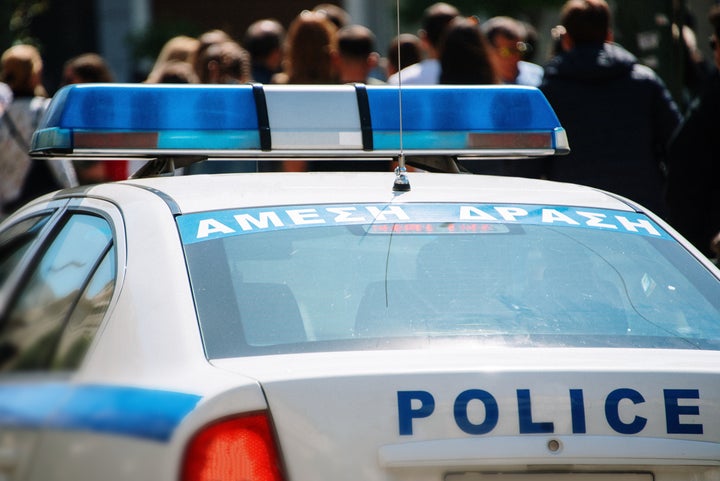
[(402, 183)]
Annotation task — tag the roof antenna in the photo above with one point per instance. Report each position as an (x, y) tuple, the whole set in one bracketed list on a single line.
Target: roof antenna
[(401, 184)]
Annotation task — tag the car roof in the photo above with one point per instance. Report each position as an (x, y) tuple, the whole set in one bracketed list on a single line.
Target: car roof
[(222, 191)]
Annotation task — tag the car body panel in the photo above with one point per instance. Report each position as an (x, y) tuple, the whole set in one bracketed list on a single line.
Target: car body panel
[(323, 188)]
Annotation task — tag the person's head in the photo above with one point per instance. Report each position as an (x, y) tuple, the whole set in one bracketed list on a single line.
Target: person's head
[(21, 68), (263, 40), (714, 18), (206, 39), (585, 22), (309, 48), (465, 56), (405, 49), (224, 63), (212, 36), (173, 72), (180, 48), (336, 14), (435, 19), (355, 56), (507, 38), (86, 68)]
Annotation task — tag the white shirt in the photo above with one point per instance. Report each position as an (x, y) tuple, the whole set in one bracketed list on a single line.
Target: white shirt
[(426, 72), (529, 74)]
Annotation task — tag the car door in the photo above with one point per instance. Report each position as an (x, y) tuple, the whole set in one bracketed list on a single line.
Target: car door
[(59, 271)]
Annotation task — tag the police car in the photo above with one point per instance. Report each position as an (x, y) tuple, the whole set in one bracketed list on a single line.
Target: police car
[(405, 326)]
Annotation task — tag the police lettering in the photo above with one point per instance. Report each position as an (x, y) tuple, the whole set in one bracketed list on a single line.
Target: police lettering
[(414, 406)]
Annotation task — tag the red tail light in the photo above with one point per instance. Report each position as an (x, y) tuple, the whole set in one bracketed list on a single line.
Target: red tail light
[(237, 448)]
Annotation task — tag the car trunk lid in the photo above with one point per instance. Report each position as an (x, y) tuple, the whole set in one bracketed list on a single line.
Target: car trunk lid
[(396, 414)]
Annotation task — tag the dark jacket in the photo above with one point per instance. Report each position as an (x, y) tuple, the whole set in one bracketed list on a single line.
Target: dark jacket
[(618, 115), (694, 170)]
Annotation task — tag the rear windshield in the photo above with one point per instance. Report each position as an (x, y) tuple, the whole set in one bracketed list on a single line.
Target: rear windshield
[(349, 277)]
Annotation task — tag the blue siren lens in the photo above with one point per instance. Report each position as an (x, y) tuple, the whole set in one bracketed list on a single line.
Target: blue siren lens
[(251, 119)]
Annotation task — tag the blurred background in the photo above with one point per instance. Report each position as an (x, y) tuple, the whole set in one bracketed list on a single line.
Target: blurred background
[(130, 33)]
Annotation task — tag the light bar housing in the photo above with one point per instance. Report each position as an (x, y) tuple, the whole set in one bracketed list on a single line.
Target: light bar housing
[(265, 121)]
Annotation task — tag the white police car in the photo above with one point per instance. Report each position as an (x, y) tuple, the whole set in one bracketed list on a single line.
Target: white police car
[(345, 326)]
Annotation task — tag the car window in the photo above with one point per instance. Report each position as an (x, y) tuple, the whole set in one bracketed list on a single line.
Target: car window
[(15, 241), (261, 286), (86, 316), (58, 284)]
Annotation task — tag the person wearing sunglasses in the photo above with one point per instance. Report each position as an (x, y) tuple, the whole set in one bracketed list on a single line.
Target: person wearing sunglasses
[(508, 39)]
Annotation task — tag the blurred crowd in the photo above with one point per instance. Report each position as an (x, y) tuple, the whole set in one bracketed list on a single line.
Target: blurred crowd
[(627, 133)]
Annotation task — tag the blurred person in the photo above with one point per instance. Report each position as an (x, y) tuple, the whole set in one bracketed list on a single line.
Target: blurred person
[(356, 57), (435, 19), (508, 38), (173, 72), (264, 41), (24, 100), (22, 70), (466, 59), (618, 114), (180, 48), (696, 70), (174, 64), (694, 161), (309, 51), (92, 68), (335, 13), (224, 62), (86, 68), (309, 48), (404, 50), (465, 55), (206, 39)]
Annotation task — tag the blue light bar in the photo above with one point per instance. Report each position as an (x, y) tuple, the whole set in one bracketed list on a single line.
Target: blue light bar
[(298, 120)]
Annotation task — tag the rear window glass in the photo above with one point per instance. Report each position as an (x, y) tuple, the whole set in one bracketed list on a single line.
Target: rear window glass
[(345, 277)]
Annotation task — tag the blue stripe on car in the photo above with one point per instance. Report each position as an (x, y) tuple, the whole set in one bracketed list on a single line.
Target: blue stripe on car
[(120, 410)]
